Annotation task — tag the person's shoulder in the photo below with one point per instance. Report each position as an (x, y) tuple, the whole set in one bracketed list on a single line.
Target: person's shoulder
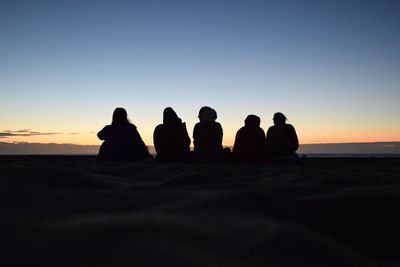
[(260, 130), (158, 127), (131, 125), (241, 131), (182, 125), (107, 128), (289, 126)]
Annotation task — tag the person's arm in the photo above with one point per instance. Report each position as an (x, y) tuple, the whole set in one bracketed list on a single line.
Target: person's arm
[(294, 140), (195, 136), (156, 138), (220, 135), (104, 133), (237, 144), (268, 138), (186, 135)]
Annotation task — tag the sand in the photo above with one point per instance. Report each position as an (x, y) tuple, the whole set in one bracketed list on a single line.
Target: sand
[(73, 211)]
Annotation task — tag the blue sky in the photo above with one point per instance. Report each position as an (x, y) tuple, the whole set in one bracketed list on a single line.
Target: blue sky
[(333, 67)]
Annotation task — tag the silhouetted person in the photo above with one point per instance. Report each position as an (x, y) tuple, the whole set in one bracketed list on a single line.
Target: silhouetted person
[(122, 141), (249, 141), (281, 140), (171, 139), (207, 137)]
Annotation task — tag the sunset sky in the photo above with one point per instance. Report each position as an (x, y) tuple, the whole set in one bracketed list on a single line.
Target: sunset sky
[(333, 67)]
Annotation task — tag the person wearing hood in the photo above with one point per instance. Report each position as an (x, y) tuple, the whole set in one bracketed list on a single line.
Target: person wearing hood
[(207, 137), (122, 142), (249, 141), (171, 139), (281, 139)]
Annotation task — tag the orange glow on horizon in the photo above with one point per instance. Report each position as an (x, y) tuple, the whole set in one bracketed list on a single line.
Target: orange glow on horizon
[(91, 139), (316, 133)]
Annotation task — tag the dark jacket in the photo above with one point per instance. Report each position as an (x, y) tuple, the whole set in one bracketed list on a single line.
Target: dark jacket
[(249, 141), (122, 142), (207, 140), (281, 140), (171, 140)]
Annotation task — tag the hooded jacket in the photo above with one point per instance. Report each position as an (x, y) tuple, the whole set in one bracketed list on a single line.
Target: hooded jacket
[(249, 141)]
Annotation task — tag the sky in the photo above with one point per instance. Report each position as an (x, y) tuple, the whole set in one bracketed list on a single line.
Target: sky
[(332, 67)]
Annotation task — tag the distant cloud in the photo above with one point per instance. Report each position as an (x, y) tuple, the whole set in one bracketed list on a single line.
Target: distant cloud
[(26, 132), (20, 131)]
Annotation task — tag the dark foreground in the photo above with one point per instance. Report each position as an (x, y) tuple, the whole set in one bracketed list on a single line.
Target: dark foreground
[(73, 211)]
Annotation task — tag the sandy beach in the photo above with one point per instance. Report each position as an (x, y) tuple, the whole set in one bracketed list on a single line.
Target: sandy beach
[(74, 211)]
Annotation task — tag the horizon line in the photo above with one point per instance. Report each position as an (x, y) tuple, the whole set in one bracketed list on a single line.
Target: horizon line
[(328, 143)]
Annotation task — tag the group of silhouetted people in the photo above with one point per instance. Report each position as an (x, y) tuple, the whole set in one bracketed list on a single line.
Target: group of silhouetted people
[(122, 142)]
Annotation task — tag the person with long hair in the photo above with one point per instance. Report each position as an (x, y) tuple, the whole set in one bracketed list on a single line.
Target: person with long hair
[(171, 139), (281, 139), (122, 142)]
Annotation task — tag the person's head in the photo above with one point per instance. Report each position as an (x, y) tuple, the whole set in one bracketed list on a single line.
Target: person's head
[(120, 117), (252, 121), (170, 116), (207, 114), (279, 119)]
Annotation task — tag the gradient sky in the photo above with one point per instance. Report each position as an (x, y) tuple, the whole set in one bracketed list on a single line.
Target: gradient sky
[(333, 67)]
